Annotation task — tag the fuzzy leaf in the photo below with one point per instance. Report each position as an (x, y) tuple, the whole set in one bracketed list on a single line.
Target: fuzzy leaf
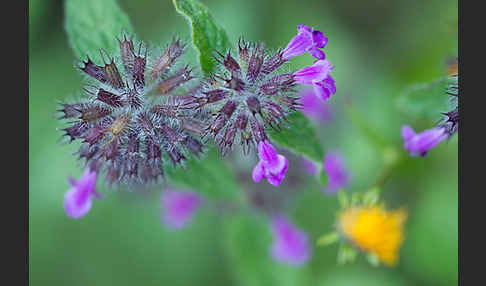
[(94, 24), (300, 137), (209, 175), (207, 35), (425, 100), (248, 241)]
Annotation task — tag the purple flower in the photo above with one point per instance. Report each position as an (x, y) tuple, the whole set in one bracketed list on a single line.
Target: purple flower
[(271, 165), (313, 107), (318, 76), (307, 40), (78, 199), (290, 245), (337, 173), (421, 143), (309, 166), (179, 207)]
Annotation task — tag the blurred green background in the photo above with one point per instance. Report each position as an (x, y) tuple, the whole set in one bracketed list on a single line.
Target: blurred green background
[(377, 47)]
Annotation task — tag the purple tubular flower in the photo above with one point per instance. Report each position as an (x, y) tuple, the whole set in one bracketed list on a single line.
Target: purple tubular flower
[(307, 40), (290, 245), (318, 76), (271, 165), (337, 173), (179, 207), (309, 167), (78, 199), (313, 107), (419, 144)]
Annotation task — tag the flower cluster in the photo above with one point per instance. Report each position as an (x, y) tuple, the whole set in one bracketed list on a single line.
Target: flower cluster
[(131, 116), (141, 110), (246, 96), (421, 143), (451, 120)]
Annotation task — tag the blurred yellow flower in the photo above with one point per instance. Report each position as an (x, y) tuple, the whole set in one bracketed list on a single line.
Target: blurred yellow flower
[(374, 230)]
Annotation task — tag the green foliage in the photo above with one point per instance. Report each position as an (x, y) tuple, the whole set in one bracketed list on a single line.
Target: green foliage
[(300, 137), (248, 240), (425, 100), (209, 175), (207, 35), (431, 246), (328, 239), (346, 254), (322, 178), (94, 24)]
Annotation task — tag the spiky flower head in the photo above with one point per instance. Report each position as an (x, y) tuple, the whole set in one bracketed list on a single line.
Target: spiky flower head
[(133, 112), (451, 120), (247, 95)]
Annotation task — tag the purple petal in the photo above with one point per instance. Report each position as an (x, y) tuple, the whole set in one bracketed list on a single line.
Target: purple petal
[(325, 88), (309, 166), (78, 199), (179, 207), (267, 154), (258, 172), (315, 73), (421, 143), (337, 172), (303, 28), (73, 206), (313, 107), (318, 54), (290, 245), (318, 38), (276, 176), (299, 44), (407, 132)]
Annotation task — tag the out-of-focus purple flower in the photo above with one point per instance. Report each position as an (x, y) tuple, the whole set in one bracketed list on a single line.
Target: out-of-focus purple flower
[(271, 165), (419, 144), (179, 207), (309, 166), (307, 40), (290, 245), (337, 173), (313, 107), (318, 76), (78, 199)]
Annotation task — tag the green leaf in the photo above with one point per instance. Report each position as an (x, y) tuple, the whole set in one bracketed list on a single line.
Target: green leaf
[(346, 254), (373, 260), (371, 197), (425, 100), (94, 24), (209, 175), (343, 198), (322, 178), (300, 137), (328, 239), (207, 35), (248, 242)]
